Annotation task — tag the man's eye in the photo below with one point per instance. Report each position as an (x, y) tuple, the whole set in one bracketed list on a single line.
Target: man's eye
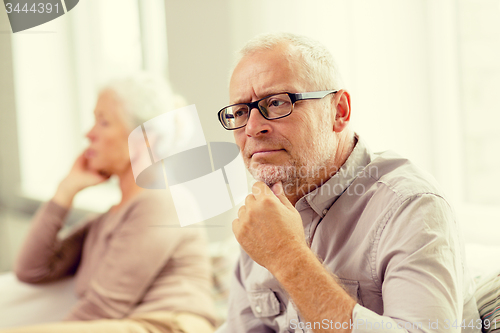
[(276, 103), (240, 113)]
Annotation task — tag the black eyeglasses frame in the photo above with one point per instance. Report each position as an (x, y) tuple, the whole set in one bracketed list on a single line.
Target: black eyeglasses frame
[(294, 97)]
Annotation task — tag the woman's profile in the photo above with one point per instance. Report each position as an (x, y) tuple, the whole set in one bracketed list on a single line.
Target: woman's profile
[(131, 273)]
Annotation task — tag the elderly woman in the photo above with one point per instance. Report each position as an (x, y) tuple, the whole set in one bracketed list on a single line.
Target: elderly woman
[(132, 275)]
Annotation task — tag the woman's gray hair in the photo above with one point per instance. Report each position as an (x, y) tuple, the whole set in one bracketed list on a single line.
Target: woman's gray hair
[(143, 95), (317, 63)]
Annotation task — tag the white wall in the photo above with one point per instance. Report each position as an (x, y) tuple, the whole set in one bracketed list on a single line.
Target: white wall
[(400, 61), (381, 48)]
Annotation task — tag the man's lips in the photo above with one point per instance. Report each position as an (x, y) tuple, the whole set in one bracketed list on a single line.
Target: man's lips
[(265, 152)]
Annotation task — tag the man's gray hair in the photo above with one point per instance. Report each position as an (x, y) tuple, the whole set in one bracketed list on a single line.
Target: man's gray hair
[(144, 96), (317, 63)]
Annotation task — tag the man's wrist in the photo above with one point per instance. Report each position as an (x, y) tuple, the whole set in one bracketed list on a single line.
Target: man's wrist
[(292, 263)]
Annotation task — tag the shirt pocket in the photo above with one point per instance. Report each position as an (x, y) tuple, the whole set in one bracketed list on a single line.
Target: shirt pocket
[(352, 288), (264, 303)]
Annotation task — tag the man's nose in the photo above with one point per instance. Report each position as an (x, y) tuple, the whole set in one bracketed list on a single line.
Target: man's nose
[(257, 124)]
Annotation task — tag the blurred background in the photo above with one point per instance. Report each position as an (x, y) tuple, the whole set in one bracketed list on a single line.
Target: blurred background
[(424, 77)]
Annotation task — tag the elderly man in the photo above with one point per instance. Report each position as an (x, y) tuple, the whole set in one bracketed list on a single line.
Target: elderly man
[(333, 236)]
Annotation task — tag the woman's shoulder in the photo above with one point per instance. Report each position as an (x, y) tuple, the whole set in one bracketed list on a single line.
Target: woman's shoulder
[(153, 201), (153, 213), (152, 208)]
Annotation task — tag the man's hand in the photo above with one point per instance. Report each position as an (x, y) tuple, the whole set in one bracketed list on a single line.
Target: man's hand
[(269, 228), (270, 231)]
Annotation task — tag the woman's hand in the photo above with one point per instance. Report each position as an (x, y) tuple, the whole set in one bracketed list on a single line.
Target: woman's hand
[(78, 178)]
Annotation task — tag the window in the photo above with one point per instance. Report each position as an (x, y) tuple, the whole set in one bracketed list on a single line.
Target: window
[(479, 40), (58, 68)]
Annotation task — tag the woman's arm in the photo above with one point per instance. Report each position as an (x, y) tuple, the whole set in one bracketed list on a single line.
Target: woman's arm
[(44, 257), (135, 254)]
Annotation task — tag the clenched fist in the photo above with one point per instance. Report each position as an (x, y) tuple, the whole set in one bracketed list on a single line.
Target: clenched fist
[(269, 228)]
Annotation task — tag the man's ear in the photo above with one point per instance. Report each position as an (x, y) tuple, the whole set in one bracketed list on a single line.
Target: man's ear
[(341, 103)]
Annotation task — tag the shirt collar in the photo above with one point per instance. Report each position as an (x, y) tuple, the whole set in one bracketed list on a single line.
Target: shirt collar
[(322, 198)]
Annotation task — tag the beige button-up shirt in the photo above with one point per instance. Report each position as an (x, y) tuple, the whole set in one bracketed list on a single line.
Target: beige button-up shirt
[(383, 227)]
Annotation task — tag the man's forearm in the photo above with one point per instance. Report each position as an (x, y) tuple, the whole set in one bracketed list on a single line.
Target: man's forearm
[(314, 290)]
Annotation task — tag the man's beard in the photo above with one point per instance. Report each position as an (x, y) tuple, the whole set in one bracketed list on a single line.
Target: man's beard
[(302, 169), (271, 174)]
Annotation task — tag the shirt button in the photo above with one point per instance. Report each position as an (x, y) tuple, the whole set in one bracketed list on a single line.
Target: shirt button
[(258, 309), (325, 211)]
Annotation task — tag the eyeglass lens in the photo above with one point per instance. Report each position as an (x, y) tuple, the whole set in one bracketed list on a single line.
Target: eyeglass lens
[(271, 107)]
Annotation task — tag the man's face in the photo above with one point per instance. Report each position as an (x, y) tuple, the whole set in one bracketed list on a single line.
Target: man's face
[(289, 149)]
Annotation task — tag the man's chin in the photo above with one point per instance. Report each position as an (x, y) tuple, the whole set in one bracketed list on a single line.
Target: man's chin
[(270, 174)]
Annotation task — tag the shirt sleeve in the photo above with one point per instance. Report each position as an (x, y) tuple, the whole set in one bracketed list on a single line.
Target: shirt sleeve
[(241, 318), (43, 257), (418, 259), (137, 251)]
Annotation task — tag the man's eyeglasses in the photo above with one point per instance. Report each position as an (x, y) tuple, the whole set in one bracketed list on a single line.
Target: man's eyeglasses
[(270, 107)]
